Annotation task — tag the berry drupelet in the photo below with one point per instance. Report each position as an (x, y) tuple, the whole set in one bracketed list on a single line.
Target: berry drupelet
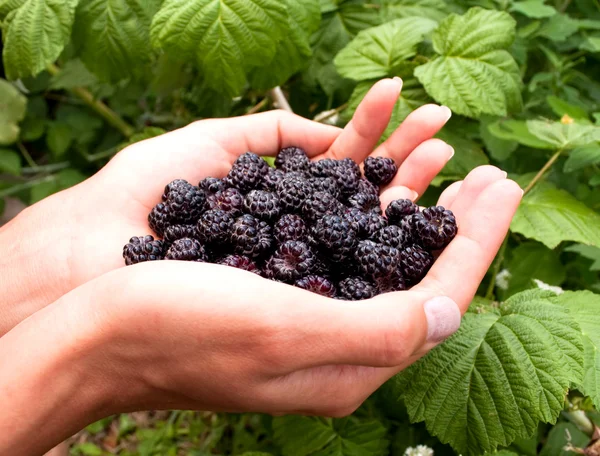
[(377, 261), (262, 204), (397, 210), (317, 284), (175, 232), (379, 170), (292, 261), (290, 227), (415, 262), (334, 237), (143, 248), (435, 227), (214, 227), (240, 262), (229, 200), (186, 249), (251, 236), (356, 289), (292, 159)]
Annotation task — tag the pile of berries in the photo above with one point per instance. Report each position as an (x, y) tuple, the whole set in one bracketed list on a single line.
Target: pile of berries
[(316, 225)]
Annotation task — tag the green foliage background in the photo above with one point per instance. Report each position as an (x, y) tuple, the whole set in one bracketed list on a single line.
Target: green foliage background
[(80, 79)]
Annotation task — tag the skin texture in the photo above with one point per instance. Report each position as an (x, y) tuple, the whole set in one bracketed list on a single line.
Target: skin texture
[(202, 336)]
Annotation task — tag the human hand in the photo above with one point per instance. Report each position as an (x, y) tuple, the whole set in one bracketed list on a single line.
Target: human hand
[(77, 235)]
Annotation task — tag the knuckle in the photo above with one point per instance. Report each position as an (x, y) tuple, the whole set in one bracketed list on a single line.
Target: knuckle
[(394, 351)]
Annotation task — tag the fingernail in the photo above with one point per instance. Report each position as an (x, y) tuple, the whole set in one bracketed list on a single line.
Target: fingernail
[(451, 152), (505, 174), (414, 196), (399, 80), (443, 318), (522, 192), (447, 112)]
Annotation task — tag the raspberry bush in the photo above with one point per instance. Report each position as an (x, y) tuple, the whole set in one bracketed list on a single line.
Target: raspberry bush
[(81, 79)]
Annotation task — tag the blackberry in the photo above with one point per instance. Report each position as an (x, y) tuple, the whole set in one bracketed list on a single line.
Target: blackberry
[(392, 236), (292, 192), (376, 261), (399, 209), (160, 218), (364, 186), (272, 178), (262, 204), (334, 237), (366, 202), (212, 185), (251, 237), (392, 283), (229, 200), (174, 232), (214, 227), (346, 173), (186, 249), (240, 262), (289, 227), (318, 204), (248, 172), (143, 248), (407, 225), (174, 185), (325, 184), (292, 261), (435, 227), (379, 170), (317, 284), (186, 203), (366, 224), (415, 262), (292, 159), (356, 289), (297, 175)]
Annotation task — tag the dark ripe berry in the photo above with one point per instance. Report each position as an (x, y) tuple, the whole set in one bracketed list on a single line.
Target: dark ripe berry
[(376, 261), (143, 248), (186, 249), (174, 185), (262, 204), (251, 237), (292, 159), (240, 262), (214, 227), (366, 202), (175, 232), (366, 224), (435, 227), (325, 184), (317, 284), (408, 227), (272, 178), (291, 261), (415, 262), (297, 175), (399, 209), (379, 170), (212, 185), (334, 237), (248, 172), (356, 289), (160, 218), (392, 236), (395, 282), (364, 186), (292, 192), (187, 203), (229, 200), (318, 204), (289, 227), (346, 173)]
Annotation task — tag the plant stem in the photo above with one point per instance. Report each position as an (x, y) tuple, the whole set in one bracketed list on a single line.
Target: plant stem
[(104, 111), (331, 113), (581, 420), (101, 155), (496, 269), (542, 171), (26, 185), (46, 168), (261, 104), (279, 99), (28, 158)]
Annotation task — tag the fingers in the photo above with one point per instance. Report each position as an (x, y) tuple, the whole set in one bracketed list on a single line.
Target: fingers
[(483, 224), (422, 165), (370, 120), (420, 125), (477, 180), (449, 195)]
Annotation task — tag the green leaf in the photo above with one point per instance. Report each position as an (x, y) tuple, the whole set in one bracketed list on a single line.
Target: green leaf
[(87, 449), (10, 162), (533, 8), (12, 111), (559, 27), (500, 149), (35, 33), (564, 136), (474, 74), (375, 52), (581, 157), (584, 307), (226, 37), (73, 74), (589, 252), (59, 138), (562, 435), (561, 107), (294, 50), (591, 44), (550, 215), (498, 376), (431, 9), (533, 261), (301, 436), (468, 155), (516, 130), (113, 36)]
